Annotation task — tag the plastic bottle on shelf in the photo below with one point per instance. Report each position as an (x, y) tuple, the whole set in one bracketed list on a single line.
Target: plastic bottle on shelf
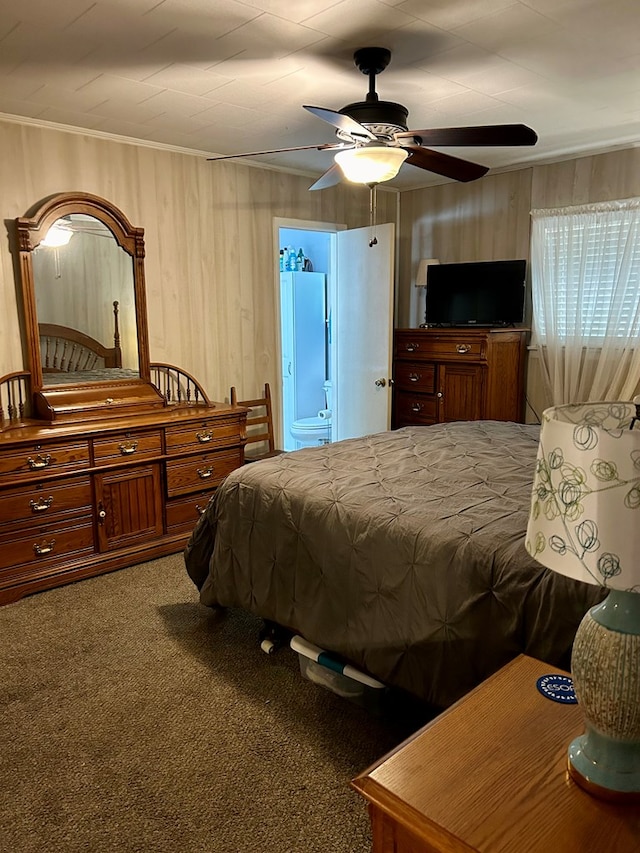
[(300, 261), (285, 259), (292, 261), (281, 260)]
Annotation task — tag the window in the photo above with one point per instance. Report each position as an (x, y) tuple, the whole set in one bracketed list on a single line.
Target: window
[(586, 282), (585, 273)]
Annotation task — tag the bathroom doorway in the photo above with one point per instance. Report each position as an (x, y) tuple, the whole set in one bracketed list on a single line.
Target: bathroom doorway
[(336, 331)]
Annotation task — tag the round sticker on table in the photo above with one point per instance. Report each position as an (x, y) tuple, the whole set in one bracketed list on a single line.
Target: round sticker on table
[(557, 687)]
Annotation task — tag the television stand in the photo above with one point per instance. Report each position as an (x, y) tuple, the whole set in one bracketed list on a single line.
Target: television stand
[(458, 374)]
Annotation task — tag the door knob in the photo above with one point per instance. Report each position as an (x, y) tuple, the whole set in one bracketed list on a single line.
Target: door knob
[(380, 383)]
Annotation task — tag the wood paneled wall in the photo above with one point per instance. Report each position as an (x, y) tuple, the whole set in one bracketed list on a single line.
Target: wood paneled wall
[(210, 261), (489, 220)]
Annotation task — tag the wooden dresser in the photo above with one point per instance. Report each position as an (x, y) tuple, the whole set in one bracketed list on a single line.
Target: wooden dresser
[(81, 499), (106, 459), (458, 374), (489, 775)]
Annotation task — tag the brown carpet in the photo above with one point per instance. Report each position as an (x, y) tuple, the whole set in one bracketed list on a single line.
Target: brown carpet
[(134, 719)]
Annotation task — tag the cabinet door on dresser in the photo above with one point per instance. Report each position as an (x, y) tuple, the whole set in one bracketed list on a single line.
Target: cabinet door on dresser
[(461, 392), (129, 506)]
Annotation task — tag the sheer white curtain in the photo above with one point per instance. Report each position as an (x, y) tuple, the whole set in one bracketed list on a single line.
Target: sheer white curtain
[(585, 273)]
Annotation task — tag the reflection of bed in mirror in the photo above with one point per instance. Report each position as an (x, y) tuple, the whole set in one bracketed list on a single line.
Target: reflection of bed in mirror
[(69, 355)]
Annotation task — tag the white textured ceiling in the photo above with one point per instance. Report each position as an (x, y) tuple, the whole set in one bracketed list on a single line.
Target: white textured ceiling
[(223, 76)]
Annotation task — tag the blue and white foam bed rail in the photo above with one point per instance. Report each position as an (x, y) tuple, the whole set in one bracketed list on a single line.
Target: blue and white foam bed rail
[(328, 661)]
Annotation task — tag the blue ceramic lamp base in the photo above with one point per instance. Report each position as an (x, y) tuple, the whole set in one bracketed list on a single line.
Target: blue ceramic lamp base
[(606, 672), (607, 768)]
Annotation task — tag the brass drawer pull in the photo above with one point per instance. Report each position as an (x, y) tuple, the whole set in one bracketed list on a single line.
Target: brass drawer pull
[(411, 347), (41, 505), (205, 473), (126, 449), (45, 548), (204, 437), (39, 462), (417, 407), (462, 348), (414, 377)]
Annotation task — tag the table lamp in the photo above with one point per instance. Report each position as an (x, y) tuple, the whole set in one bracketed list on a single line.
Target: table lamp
[(585, 523)]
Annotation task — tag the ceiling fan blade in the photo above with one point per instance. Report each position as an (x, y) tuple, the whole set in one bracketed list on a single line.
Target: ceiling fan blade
[(324, 147), (492, 134), (342, 122), (330, 178), (445, 164)]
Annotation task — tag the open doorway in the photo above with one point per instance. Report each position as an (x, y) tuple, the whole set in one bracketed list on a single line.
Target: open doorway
[(336, 356), (306, 275)]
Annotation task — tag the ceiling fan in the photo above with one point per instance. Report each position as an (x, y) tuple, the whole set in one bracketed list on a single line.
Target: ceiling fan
[(373, 134)]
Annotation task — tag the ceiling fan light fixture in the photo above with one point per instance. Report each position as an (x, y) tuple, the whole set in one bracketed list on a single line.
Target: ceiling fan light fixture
[(371, 164), (58, 235)]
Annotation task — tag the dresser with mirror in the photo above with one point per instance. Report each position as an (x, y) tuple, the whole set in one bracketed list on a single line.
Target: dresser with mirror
[(106, 458)]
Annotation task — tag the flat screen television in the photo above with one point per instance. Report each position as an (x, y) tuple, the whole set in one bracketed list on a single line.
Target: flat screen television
[(482, 293)]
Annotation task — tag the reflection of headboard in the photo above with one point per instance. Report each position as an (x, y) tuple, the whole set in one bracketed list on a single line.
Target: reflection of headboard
[(66, 350)]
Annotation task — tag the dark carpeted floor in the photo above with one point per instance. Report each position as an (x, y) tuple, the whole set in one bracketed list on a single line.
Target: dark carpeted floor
[(134, 719)]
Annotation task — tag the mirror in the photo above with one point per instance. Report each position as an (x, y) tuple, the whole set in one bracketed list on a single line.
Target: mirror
[(85, 303), (82, 270)]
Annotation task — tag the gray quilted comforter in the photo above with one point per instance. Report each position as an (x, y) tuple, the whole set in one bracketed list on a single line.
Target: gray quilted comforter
[(403, 552)]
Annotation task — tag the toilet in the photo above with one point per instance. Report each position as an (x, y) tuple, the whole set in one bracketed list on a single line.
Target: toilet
[(310, 432)]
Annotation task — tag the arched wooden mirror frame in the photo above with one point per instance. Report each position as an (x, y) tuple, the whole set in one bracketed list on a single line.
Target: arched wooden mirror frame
[(83, 400)]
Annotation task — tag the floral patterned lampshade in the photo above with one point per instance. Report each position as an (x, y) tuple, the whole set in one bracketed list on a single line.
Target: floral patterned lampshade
[(585, 523), (585, 506)]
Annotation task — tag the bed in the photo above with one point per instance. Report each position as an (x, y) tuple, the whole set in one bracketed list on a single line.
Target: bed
[(402, 553)]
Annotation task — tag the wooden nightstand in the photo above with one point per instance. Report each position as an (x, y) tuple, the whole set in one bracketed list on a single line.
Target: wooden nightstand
[(489, 775)]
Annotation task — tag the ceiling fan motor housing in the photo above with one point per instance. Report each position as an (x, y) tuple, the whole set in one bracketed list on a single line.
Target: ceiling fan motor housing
[(383, 118)]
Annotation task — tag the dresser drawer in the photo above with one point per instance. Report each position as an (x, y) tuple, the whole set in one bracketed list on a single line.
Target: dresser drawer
[(456, 345), (200, 435), (183, 513), (47, 544), (414, 376), (43, 459), (127, 445), (190, 474), (40, 503), (414, 409)]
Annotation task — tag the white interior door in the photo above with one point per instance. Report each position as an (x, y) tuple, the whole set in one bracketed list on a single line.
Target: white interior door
[(363, 331)]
